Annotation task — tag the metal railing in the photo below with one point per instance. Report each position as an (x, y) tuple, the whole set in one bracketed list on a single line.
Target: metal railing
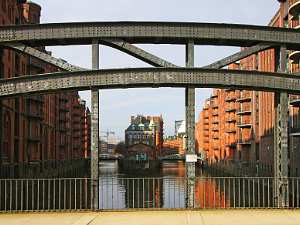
[(117, 193)]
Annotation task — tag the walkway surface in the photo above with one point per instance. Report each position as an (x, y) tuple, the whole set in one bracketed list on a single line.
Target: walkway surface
[(207, 217)]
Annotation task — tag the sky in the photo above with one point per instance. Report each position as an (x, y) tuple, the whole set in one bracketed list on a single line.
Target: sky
[(116, 106)]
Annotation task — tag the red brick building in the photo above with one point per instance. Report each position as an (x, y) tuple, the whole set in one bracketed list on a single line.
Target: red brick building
[(43, 135), (238, 125)]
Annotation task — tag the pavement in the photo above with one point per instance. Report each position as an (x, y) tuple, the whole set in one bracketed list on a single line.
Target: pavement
[(201, 217)]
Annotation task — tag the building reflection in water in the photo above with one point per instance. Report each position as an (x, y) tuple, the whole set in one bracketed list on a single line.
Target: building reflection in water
[(165, 190)]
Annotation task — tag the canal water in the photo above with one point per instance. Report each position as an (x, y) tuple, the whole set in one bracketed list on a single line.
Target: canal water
[(164, 188)]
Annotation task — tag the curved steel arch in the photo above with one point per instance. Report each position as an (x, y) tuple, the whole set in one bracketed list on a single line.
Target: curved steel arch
[(150, 32), (149, 77)]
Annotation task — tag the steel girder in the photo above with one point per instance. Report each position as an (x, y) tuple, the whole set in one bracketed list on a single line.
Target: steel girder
[(281, 103), (190, 128), (238, 56), (150, 32), (133, 51), (150, 77), (43, 56), (95, 132)]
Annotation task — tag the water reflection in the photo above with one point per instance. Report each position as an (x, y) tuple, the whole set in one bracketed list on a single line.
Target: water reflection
[(164, 189)]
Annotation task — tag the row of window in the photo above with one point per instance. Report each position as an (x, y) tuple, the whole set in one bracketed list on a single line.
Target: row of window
[(132, 136)]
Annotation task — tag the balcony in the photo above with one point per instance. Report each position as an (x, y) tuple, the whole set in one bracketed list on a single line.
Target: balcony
[(230, 120), (215, 113), (215, 106), (230, 109), (244, 111), (215, 128), (244, 98), (294, 9), (230, 98), (215, 121), (230, 130), (214, 95), (244, 142), (244, 125), (215, 136)]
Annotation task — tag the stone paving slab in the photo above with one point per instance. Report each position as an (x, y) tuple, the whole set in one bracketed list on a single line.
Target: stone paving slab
[(203, 217)]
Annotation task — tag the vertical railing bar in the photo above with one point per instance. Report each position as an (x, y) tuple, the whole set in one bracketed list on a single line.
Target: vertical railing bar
[(253, 192), (244, 193), (204, 194), (5, 195), (249, 193), (65, 196), (298, 200), (220, 193), (75, 196), (239, 188), (148, 193), (27, 195), (138, 191), (43, 194), (80, 196), (214, 195), (32, 196), (268, 192), (49, 193), (263, 192), (234, 182), (229, 191), (10, 195), (38, 194), (143, 192), (16, 196), (54, 194), (133, 193), (70, 193), (22, 193), (224, 188), (153, 193), (258, 192), (112, 192)]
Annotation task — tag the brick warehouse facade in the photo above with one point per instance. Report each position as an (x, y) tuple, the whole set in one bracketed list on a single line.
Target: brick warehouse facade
[(237, 125), (47, 135)]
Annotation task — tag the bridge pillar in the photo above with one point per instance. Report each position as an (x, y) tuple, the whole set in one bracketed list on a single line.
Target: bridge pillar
[(95, 133), (281, 138), (190, 131)]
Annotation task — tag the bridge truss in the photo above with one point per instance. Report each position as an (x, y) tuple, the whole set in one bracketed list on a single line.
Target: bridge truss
[(122, 36)]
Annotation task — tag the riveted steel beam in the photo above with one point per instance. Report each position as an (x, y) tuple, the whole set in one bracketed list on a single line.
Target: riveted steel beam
[(238, 56), (95, 132), (281, 138), (138, 53), (150, 77), (43, 56), (150, 32), (190, 129)]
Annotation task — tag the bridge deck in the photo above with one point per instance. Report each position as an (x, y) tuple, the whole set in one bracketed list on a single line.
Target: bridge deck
[(211, 217)]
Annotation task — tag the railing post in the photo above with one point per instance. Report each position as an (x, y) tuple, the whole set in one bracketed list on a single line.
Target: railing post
[(95, 132), (190, 131), (281, 138)]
